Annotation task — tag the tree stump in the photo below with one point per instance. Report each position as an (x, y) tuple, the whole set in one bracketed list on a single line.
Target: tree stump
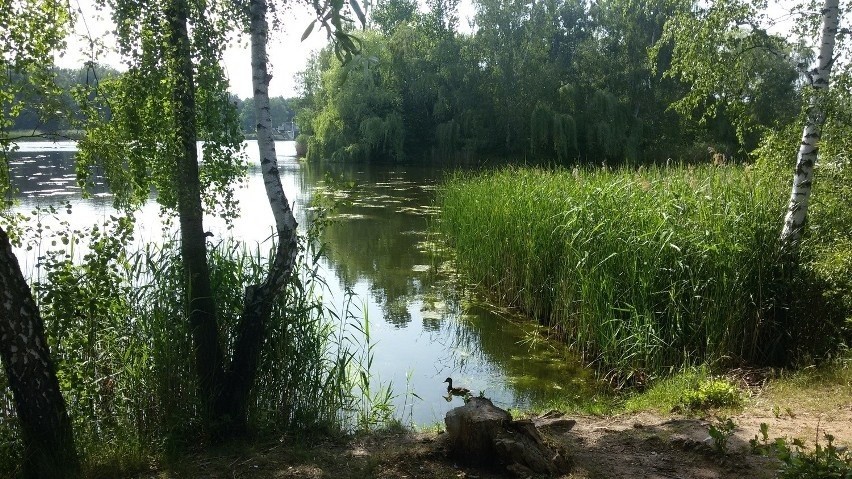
[(481, 434)]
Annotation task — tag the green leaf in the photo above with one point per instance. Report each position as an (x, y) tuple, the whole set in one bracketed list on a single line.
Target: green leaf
[(309, 30)]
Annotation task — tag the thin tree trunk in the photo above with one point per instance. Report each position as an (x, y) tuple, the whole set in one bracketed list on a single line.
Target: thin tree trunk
[(259, 299), (48, 438), (200, 302), (797, 209)]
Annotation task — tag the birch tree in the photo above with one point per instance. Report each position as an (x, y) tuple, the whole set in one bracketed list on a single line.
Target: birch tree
[(259, 298), (818, 80), (727, 33), (232, 402)]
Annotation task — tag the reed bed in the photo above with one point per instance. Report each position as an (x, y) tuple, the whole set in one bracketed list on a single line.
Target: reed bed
[(640, 271), (117, 327)]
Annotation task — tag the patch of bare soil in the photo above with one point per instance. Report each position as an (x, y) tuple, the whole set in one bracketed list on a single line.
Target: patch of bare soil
[(643, 445)]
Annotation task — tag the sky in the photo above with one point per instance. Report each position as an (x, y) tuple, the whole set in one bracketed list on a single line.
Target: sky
[(288, 55)]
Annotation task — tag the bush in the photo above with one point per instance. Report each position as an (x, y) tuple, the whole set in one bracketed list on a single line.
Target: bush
[(712, 393)]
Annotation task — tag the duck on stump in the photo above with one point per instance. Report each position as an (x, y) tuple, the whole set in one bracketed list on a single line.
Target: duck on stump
[(457, 391)]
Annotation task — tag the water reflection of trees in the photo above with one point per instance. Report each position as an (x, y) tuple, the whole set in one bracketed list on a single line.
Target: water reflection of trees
[(376, 232), (379, 236), (538, 371)]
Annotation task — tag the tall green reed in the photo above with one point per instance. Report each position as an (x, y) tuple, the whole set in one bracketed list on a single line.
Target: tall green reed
[(116, 322), (641, 271)]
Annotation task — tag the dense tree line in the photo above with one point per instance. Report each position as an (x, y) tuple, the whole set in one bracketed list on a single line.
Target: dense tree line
[(53, 109), (565, 80), (45, 112), (283, 111)]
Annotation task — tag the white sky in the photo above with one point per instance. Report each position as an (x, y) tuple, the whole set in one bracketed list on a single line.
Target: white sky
[(287, 54)]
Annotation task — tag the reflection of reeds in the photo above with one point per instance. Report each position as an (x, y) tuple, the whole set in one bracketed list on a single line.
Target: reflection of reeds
[(639, 271)]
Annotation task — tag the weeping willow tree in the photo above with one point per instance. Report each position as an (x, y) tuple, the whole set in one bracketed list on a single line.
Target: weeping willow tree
[(605, 134), (589, 124), (447, 139), (382, 137), (358, 108), (564, 137), (541, 130)]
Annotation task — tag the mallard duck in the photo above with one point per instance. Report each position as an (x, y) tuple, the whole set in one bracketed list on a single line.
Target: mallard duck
[(459, 391)]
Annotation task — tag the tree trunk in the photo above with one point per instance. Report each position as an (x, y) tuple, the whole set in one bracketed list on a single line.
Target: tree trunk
[(797, 209), (45, 427), (200, 304), (479, 433), (259, 299)]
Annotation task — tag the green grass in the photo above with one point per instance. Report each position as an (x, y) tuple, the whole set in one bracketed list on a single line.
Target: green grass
[(643, 272), (691, 390), (40, 135)]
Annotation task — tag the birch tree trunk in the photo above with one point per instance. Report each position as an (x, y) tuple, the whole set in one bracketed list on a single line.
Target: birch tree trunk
[(48, 438), (200, 302), (260, 298), (794, 221)]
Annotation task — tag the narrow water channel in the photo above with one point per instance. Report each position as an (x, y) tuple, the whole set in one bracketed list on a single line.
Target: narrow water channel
[(423, 328)]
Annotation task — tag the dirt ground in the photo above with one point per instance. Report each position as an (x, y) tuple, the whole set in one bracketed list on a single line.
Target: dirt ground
[(643, 445)]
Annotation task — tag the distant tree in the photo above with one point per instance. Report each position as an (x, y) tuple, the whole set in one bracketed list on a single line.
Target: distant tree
[(387, 15)]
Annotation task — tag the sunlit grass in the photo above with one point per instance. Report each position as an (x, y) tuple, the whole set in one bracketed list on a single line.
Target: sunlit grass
[(818, 389)]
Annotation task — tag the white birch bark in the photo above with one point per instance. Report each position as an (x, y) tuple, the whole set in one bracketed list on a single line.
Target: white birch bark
[(285, 222), (797, 209)]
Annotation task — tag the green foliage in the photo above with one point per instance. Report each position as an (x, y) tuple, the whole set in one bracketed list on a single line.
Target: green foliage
[(542, 129), (129, 119), (798, 463), (281, 110), (358, 116), (116, 324), (755, 89), (642, 81), (388, 14), (564, 137), (642, 271), (711, 393)]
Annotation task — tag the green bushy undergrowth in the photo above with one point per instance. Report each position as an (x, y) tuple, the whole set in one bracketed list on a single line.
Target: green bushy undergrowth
[(117, 328), (645, 270)]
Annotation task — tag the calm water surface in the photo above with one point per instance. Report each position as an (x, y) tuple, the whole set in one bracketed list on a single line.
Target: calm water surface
[(378, 247)]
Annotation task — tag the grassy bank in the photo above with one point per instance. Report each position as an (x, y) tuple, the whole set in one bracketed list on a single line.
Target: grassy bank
[(646, 271), (42, 135)]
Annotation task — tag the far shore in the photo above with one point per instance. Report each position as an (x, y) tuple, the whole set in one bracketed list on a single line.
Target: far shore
[(73, 135)]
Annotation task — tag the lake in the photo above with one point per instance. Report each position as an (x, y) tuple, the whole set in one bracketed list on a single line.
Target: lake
[(424, 326)]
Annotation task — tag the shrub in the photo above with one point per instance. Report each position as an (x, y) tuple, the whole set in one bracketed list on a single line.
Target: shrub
[(712, 393)]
